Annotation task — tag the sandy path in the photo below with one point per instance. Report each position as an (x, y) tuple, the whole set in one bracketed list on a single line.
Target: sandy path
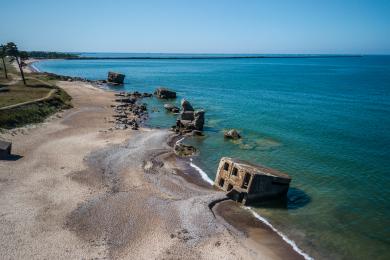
[(79, 191)]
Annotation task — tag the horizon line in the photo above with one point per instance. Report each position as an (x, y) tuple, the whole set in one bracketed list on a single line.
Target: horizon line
[(219, 53)]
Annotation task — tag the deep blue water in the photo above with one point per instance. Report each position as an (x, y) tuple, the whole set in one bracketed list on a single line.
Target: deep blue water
[(324, 121)]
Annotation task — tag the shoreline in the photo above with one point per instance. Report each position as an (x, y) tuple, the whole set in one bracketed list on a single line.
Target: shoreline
[(203, 177)]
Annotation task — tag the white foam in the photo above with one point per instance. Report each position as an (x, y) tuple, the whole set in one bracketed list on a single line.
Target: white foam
[(199, 170), (34, 67), (179, 141), (283, 236), (202, 173)]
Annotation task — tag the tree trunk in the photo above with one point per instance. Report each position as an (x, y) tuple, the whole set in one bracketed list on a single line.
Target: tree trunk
[(5, 68), (21, 70)]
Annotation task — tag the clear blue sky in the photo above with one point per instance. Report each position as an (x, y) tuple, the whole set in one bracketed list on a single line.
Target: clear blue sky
[(212, 26)]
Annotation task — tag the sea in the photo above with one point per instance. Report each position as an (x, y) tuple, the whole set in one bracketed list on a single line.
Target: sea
[(324, 120)]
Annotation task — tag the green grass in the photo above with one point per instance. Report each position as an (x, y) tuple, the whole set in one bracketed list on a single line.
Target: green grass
[(37, 87), (34, 112), (11, 72), (44, 77), (19, 93)]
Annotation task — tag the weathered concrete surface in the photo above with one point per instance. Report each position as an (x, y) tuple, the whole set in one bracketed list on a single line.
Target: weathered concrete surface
[(164, 93), (116, 78)]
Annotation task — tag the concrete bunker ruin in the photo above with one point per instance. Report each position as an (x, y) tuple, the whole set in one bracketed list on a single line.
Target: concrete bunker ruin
[(5, 149), (247, 183)]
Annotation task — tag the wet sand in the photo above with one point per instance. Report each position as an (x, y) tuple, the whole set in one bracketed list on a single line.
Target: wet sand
[(76, 189)]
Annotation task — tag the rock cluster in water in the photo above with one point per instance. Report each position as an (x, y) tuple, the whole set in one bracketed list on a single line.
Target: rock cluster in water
[(171, 108), (184, 150), (190, 120), (129, 113)]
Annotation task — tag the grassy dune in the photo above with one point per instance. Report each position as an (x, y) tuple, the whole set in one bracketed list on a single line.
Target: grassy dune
[(18, 93), (13, 92)]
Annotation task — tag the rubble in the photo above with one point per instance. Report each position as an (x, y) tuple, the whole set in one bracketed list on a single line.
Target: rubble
[(186, 106), (5, 149), (130, 113), (190, 120), (164, 93), (232, 134), (115, 78), (171, 108), (184, 150)]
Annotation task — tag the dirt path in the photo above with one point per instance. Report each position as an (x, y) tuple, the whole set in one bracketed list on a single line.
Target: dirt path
[(51, 92)]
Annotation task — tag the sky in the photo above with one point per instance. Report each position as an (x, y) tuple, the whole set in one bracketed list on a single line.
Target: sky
[(199, 26)]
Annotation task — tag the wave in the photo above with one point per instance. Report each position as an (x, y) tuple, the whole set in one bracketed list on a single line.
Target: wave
[(33, 67)]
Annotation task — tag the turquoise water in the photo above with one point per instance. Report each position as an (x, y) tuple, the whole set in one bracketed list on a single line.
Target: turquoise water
[(324, 121)]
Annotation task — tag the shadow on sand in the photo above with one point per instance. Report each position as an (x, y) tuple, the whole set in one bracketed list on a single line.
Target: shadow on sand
[(11, 157)]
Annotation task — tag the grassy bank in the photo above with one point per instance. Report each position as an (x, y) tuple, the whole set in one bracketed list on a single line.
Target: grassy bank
[(32, 103), (18, 93)]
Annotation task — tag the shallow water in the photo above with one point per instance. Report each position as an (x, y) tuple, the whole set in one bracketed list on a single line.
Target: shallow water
[(324, 121)]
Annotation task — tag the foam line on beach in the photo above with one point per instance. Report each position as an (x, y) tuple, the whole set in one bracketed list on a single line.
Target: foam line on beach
[(33, 67), (283, 236), (179, 141), (204, 175)]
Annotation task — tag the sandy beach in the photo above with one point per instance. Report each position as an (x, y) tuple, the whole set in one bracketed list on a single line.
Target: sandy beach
[(75, 189)]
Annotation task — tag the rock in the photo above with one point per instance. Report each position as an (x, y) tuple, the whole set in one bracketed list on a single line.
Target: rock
[(164, 93), (143, 107), (115, 78), (121, 126), (171, 108), (134, 126), (199, 120), (146, 95), (186, 105), (126, 100), (189, 120), (232, 134), (197, 133), (5, 149), (187, 115), (184, 150), (100, 82)]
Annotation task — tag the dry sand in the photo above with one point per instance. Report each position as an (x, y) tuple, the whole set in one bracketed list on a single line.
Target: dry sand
[(76, 190)]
